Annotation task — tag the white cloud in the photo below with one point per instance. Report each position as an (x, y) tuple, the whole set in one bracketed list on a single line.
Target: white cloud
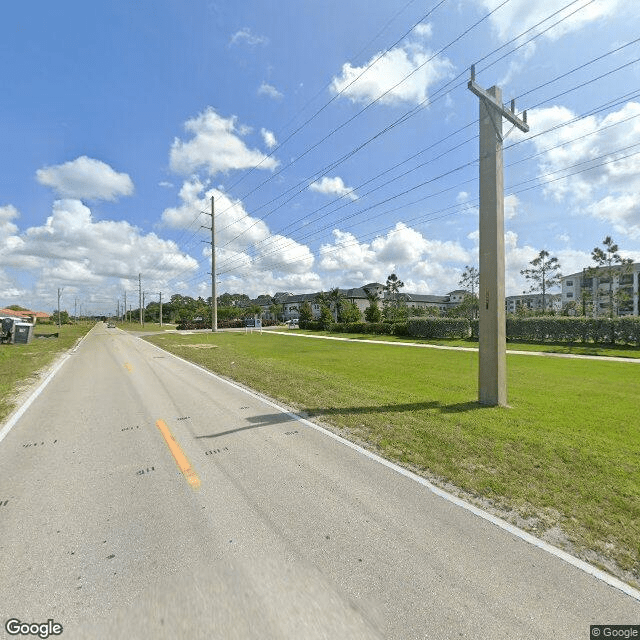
[(519, 15), (511, 206), (622, 211), (244, 36), (245, 245), (269, 138), (333, 186), (601, 181), (7, 214), (72, 247), (86, 178), (425, 265), (216, 146), (270, 91), (410, 66)]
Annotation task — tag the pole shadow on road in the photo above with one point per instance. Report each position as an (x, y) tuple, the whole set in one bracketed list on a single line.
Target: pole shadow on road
[(258, 421)]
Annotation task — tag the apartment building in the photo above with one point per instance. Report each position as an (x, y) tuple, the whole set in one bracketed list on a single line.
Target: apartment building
[(591, 290), (533, 302)]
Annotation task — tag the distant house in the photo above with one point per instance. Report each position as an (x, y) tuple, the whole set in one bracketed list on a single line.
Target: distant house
[(26, 315)]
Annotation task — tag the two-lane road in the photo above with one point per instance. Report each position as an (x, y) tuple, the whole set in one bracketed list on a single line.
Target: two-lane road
[(141, 497)]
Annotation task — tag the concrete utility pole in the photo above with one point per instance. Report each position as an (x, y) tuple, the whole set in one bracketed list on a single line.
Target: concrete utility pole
[(142, 309), (124, 310), (214, 301), (492, 370), (140, 295), (59, 308), (160, 308)]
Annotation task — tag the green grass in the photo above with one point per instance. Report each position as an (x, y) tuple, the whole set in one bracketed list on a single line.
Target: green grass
[(567, 451), (19, 363), (619, 351)]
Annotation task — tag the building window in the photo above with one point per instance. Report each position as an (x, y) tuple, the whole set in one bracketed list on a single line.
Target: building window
[(569, 283), (569, 295)]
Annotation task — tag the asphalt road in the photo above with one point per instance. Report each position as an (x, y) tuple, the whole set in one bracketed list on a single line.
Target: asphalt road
[(141, 497)]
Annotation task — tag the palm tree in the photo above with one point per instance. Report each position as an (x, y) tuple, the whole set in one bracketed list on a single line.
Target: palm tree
[(336, 298)]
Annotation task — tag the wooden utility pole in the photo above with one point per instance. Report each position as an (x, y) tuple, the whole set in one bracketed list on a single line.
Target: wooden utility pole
[(492, 369)]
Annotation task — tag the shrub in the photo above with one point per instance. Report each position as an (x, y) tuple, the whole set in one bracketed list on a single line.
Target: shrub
[(439, 327)]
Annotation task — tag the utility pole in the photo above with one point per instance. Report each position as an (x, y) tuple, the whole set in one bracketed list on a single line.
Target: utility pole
[(124, 310), (160, 308), (214, 301), (118, 310), (142, 310), (140, 295), (492, 369), (59, 290)]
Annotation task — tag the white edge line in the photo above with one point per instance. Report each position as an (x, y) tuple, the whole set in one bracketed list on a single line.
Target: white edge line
[(499, 522), (29, 401)]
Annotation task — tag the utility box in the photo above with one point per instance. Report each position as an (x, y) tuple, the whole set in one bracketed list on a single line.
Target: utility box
[(22, 332)]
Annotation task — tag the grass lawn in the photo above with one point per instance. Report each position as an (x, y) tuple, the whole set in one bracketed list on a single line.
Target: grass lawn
[(562, 461), (19, 363), (619, 351)]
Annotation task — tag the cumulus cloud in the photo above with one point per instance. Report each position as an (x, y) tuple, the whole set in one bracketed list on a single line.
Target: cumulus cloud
[(244, 36), (333, 186), (85, 178), (426, 265), (245, 243), (72, 247), (216, 147), (403, 74), (519, 15), (7, 214), (603, 172), (270, 91)]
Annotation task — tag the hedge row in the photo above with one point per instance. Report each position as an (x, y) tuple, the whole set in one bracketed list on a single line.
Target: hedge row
[(439, 328), (552, 329), (540, 329)]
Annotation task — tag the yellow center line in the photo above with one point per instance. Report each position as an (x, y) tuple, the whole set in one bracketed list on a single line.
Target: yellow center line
[(178, 454)]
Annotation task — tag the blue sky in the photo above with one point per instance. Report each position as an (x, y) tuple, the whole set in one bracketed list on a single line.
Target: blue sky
[(337, 138)]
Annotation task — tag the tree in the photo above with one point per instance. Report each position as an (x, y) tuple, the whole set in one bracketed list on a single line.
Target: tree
[(609, 264), (306, 313), (275, 310), (470, 280), (324, 301), (336, 300), (349, 312), (544, 273), (372, 313), (395, 309)]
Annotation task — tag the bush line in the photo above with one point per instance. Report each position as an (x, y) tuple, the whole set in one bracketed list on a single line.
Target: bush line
[(622, 331)]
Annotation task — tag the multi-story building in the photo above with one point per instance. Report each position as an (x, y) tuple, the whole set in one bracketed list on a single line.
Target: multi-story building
[(592, 290), (533, 302), (291, 303)]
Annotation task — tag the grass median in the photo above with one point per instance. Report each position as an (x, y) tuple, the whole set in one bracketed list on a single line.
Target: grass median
[(562, 461), (20, 364)]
